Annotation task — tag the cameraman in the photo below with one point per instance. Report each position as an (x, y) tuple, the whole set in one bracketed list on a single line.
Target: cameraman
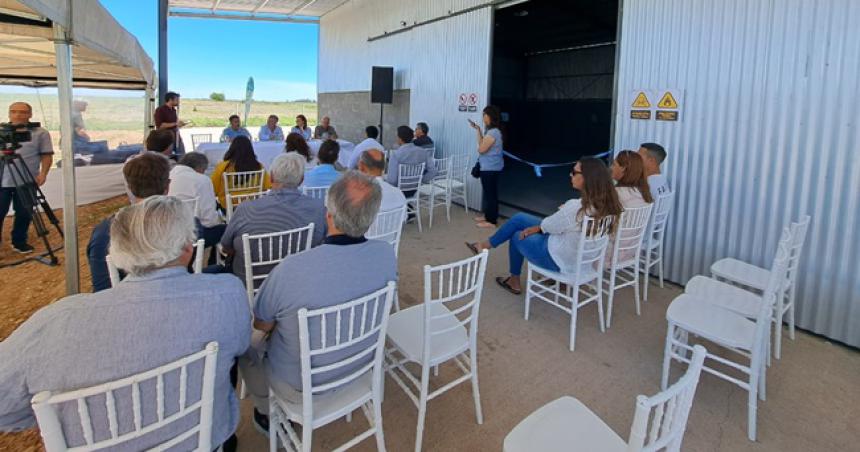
[(37, 155)]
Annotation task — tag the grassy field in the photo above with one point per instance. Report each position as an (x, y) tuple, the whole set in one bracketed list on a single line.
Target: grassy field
[(119, 120)]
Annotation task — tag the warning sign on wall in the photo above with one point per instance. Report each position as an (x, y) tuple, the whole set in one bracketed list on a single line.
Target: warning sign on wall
[(660, 104), (669, 105), (467, 102), (668, 101), (641, 101), (640, 104)]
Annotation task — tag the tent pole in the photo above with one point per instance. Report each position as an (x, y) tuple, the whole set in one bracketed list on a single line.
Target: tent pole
[(163, 11), (147, 111), (70, 218)]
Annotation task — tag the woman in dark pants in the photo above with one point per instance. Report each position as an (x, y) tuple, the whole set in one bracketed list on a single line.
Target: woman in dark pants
[(492, 162)]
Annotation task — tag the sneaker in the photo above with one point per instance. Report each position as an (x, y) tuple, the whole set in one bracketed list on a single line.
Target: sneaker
[(261, 422), (23, 248)]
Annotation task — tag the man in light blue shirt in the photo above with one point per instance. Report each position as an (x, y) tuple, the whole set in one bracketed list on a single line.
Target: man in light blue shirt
[(234, 130), (325, 173), (271, 131), (156, 315)]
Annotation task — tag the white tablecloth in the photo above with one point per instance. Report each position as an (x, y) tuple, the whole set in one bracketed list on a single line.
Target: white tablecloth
[(346, 148), (266, 152)]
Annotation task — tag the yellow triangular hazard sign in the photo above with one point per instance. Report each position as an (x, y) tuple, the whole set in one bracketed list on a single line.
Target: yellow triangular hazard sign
[(668, 101), (641, 101)]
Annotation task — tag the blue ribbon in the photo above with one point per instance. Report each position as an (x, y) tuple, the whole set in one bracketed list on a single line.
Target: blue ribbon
[(537, 166)]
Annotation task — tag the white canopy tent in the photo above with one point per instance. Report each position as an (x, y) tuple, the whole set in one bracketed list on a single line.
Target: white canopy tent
[(67, 43), (302, 11)]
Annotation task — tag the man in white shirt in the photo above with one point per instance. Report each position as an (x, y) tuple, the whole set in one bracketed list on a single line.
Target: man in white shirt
[(271, 131), (187, 181), (372, 163), (653, 155), (371, 133)]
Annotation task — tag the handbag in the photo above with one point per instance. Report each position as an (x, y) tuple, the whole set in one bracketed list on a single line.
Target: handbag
[(476, 170)]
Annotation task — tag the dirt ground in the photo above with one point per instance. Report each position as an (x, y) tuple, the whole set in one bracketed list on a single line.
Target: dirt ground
[(37, 285)]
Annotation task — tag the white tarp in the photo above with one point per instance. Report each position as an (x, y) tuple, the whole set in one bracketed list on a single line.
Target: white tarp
[(93, 184), (104, 54)]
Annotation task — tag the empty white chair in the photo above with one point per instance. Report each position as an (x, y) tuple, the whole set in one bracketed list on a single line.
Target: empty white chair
[(199, 250), (262, 252), (652, 244), (461, 167), (102, 400), (563, 290), (567, 425), (316, 192), (443, 328), (358, 328), (388, 227), (409, 178), (440, 187), (191, 203), (756, 278), (198, 138), (233, 201), (739, 300), (692, 314), (623, 265)]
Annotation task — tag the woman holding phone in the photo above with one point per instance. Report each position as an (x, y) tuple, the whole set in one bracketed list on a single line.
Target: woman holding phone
[(491, 162)]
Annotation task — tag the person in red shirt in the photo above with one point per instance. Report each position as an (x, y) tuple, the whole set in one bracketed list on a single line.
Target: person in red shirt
[(167, 118)]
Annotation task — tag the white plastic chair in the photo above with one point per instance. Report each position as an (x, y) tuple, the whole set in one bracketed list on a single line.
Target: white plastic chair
[(233, 201), (692, 314), (567, 425), (191, 203), (357, 328), (756, 278), (409, 178), (243, 182), (652, 244), (563, 290), (388, 227), (443, 328), (439, 186), (199, 138), (316, 192), (623, 266), (262, 252), (47, 407), (739, 300), (460, 173), (199, 250)]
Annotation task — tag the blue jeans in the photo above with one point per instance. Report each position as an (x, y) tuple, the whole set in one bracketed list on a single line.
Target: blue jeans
[(534, 247), (10, 197)]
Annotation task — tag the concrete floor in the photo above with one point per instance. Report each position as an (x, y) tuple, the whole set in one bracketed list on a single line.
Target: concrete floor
[(813, 392)]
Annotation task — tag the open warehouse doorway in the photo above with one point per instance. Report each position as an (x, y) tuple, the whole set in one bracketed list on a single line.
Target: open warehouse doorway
[(553, 70)]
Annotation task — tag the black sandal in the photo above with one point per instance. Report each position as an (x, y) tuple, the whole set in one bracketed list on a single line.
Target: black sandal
[(504, 283), (473, 247)]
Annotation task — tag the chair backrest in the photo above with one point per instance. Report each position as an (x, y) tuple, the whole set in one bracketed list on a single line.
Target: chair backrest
[(388, 227), (262, 252), (443, 169), (460, 167), (774, 289), (628, 235), (243, 182), (316, 192), (593, 241), (233, 201), (798, 239), (108, 399), (197, 138), (671, 409), (452, 298), (341, 343), (660, 216), (199, 249), (191, 203), (409, 176)]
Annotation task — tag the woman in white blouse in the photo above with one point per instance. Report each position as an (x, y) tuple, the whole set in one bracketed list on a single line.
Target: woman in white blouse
[(628, 171), (551, 243)]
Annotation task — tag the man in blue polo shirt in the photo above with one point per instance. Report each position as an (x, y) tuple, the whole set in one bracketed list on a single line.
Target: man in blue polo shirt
[(325, 173)]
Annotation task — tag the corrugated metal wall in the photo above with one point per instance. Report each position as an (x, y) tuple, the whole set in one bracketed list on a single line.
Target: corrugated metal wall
[(769, 132), (435, 62)]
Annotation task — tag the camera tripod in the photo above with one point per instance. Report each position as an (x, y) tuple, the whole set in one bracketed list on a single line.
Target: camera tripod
[(32, 199)]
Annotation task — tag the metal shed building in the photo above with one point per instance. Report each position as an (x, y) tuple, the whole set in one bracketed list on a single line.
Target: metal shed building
[(767, 95)]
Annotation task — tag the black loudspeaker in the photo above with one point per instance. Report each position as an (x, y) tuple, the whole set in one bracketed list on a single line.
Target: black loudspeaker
[(382, 85)]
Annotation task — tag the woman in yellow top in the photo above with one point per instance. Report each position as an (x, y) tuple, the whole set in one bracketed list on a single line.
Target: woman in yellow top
[(239, 158)]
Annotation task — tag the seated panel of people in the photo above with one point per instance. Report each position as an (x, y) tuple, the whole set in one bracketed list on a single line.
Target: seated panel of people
[(271, 131), (282, 209), (240, 157), (325, 131), (371, 133), (302, 128), (409, 153), (325, 172), (158, 314), (304, 280), (234, 130)]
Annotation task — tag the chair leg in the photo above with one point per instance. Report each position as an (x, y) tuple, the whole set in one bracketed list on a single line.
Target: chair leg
[(529, 282), (647, 276), (636, 288), (667, 357), (791, 313), (476, 393), (431, 205), (598, 287), (660, 268), (573, 293), (752, 405), (448, 203), (777, 334), (611, 296), (307, 436), (422, 405), (274, 426), (377, 424), (418, 213)]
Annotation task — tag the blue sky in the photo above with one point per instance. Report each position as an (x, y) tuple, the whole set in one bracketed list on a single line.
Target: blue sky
[(207, 55)]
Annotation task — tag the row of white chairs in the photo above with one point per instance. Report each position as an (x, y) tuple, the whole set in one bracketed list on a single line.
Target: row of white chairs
[(449, 184)]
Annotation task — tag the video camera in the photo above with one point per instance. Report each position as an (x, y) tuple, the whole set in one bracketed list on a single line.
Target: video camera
[(12, 135)]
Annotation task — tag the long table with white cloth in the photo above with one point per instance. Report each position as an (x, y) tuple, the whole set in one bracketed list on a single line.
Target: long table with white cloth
[(267, 151)]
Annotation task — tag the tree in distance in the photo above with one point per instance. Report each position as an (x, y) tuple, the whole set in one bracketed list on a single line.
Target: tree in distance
[(219, 97)]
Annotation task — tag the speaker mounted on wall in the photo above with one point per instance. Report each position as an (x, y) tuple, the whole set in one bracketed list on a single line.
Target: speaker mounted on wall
[(382, 85)]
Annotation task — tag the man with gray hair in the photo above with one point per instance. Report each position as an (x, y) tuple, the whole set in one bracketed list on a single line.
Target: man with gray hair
[(285, 207), (304, 280), (421, 138), (188, 182), (158, 314)]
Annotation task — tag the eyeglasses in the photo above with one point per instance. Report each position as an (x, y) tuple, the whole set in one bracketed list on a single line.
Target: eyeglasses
[(574, 173)]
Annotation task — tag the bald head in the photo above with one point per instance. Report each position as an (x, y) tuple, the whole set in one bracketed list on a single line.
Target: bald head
[(20, 112), (352, 203), (372, 162)]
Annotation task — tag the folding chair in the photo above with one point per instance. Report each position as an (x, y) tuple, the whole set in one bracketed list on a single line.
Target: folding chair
[(198, 138)]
